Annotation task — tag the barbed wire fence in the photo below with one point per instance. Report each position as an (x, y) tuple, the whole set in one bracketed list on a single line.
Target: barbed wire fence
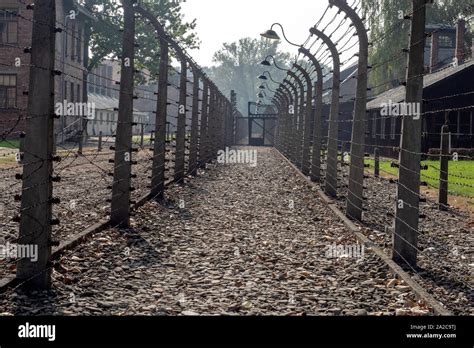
[(59, 189), (387, 202)]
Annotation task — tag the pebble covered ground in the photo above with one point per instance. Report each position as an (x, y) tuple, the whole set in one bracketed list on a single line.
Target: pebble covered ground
[(236, 240), (445, 242), (83, 192)]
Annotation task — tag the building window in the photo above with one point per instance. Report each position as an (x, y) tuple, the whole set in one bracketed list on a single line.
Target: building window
[(79, 45), (446, 42), (428, 42), (8, 26), (7, 91), (72, 93), (382, 127), (103, 80), (73, 41), (65, 90), (109, 81), (393, 127), (89, 83), (78, 95), (374, 126), (94, 82)]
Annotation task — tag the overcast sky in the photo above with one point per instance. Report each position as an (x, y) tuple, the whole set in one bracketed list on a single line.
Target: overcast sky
[(220, 21)]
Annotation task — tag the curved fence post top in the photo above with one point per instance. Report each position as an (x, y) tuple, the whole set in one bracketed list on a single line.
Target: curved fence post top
[(296, 78), (354, 17), (328, 42), (304, 72), (314, 61)]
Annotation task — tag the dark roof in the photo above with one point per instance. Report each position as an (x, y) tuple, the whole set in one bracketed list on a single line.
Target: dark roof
[(397, 95), (348, 85), (440, 26), (344, 75)]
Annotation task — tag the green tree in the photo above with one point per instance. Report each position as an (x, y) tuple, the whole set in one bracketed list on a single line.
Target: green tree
[(238, 66), (105, 38)]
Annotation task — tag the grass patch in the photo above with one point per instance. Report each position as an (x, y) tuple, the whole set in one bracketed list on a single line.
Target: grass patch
[(10, 159), (136, 139), (10, 144), (461, 175)]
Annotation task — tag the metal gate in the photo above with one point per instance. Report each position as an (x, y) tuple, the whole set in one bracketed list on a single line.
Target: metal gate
[(258, 128)]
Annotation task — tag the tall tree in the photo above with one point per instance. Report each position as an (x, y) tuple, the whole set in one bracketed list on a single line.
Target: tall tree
[(238, 66), (104, 36)]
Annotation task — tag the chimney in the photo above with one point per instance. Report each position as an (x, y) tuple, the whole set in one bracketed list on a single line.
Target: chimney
[(460, 30), (434, 51)]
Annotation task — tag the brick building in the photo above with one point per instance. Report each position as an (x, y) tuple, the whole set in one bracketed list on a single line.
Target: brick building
[(104, 93), (15, 36)]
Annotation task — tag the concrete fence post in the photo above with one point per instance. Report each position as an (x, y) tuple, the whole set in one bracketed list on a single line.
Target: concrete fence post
[(37, 188), (444, 169), (120, 214)]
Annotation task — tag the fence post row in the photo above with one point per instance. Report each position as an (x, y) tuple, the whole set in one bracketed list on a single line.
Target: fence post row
[(204, 144), (315, 172), (208, 133), (159, 148), (193, 147), (226, 123), (298, 133), (279, 122), (211, 124), (294, 112), (233, 102), (277, 104), (333, 132), (220, 124), (306, 125), (289, 101), (405, 234), (233, 110), (278, 101), (181, 124), (285, 101), (230, 121), (37, 146)]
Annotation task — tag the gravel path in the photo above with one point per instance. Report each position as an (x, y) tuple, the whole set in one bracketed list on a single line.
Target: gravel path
[(236, 240)]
